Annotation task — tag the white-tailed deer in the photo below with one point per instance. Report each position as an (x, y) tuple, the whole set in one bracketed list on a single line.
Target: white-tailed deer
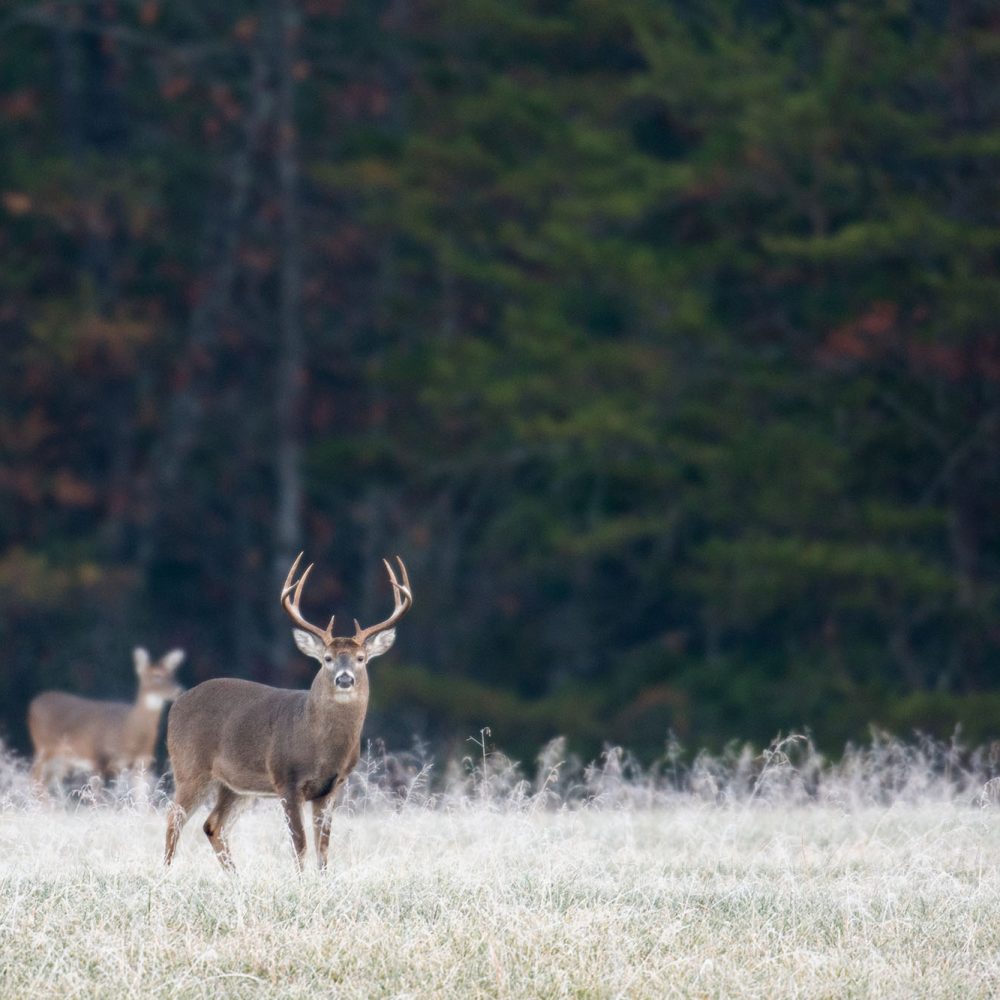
[(240, 740), (104, 737)]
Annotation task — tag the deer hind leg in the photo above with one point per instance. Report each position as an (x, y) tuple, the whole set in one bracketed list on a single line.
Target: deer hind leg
[(226, 807), (187, 797)]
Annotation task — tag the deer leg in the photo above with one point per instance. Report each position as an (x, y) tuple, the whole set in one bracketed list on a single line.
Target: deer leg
[(187, 797), (215, 825), (292, 805), (39, 776), (104, 770), (322, 815)]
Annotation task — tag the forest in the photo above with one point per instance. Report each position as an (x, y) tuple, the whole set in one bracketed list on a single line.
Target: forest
[(660, 339)]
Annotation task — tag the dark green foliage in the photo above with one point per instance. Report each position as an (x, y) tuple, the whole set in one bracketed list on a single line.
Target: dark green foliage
[(660, 339)]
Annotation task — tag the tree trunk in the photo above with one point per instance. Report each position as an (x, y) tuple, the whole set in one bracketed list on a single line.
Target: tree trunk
[(185, 410), (283, 22)]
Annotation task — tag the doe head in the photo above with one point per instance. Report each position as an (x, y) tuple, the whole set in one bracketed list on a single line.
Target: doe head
[(157, 679)]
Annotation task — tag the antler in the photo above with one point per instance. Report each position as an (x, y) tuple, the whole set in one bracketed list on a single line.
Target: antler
[(291, 604), (402, 598)]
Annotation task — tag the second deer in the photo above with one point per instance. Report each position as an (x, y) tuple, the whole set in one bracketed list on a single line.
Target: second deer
[(240, 740), (103, 737)]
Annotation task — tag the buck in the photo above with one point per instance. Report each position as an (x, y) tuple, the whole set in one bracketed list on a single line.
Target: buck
[(239, 740), (104, 737)]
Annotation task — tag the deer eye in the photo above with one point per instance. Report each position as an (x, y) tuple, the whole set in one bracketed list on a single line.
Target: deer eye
[(328, 658), (361, 657)]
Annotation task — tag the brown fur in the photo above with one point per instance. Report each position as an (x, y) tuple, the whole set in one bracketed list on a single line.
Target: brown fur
[(107, 737), (242, 739), (238, 739)]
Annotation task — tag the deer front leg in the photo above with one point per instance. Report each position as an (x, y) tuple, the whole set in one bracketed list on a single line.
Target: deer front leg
[(322, 813), (322, 810), (291, 802)]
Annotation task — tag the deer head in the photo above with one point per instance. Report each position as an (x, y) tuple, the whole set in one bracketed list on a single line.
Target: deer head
[(157, 681), (345, 657)]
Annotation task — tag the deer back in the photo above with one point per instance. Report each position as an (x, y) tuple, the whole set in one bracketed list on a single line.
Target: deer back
[(64, 725)]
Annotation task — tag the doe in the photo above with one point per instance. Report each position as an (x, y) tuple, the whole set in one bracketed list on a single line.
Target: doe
[(104, 737)]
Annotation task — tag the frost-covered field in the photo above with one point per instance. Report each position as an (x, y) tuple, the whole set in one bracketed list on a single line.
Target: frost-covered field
[(741, 876)]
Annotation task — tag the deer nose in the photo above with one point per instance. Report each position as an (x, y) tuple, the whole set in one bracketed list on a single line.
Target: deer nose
[(344, 680)]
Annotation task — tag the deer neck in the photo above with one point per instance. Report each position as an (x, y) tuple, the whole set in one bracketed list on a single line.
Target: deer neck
[(148, 705), (333, 711), (144, 720)]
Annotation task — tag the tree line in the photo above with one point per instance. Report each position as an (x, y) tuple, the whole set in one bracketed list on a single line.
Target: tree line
[(660, 339)]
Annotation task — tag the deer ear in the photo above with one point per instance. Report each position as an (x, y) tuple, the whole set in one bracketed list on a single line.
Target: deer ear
[(173, 659), (309, 644), (380, 642), (140, 657)]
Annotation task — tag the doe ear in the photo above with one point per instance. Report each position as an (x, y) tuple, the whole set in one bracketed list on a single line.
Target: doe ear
[(380, 642), (140, 657), (309, 644), (173, 659)]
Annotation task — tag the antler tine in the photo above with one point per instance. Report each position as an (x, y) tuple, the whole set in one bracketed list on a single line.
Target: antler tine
[(291, 573), (398, 587), (402, 601), (291, 604), (302, 582), (406, 578), (393, 581)]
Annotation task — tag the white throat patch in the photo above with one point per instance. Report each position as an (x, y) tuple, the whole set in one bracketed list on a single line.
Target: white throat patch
[(153, 702)]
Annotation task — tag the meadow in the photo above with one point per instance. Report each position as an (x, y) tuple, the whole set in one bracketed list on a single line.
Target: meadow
[(747, 874)]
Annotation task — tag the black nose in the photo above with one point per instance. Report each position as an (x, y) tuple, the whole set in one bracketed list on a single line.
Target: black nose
[(344, 680)]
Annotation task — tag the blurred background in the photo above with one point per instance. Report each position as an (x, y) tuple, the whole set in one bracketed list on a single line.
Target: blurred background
[(661, 339)]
